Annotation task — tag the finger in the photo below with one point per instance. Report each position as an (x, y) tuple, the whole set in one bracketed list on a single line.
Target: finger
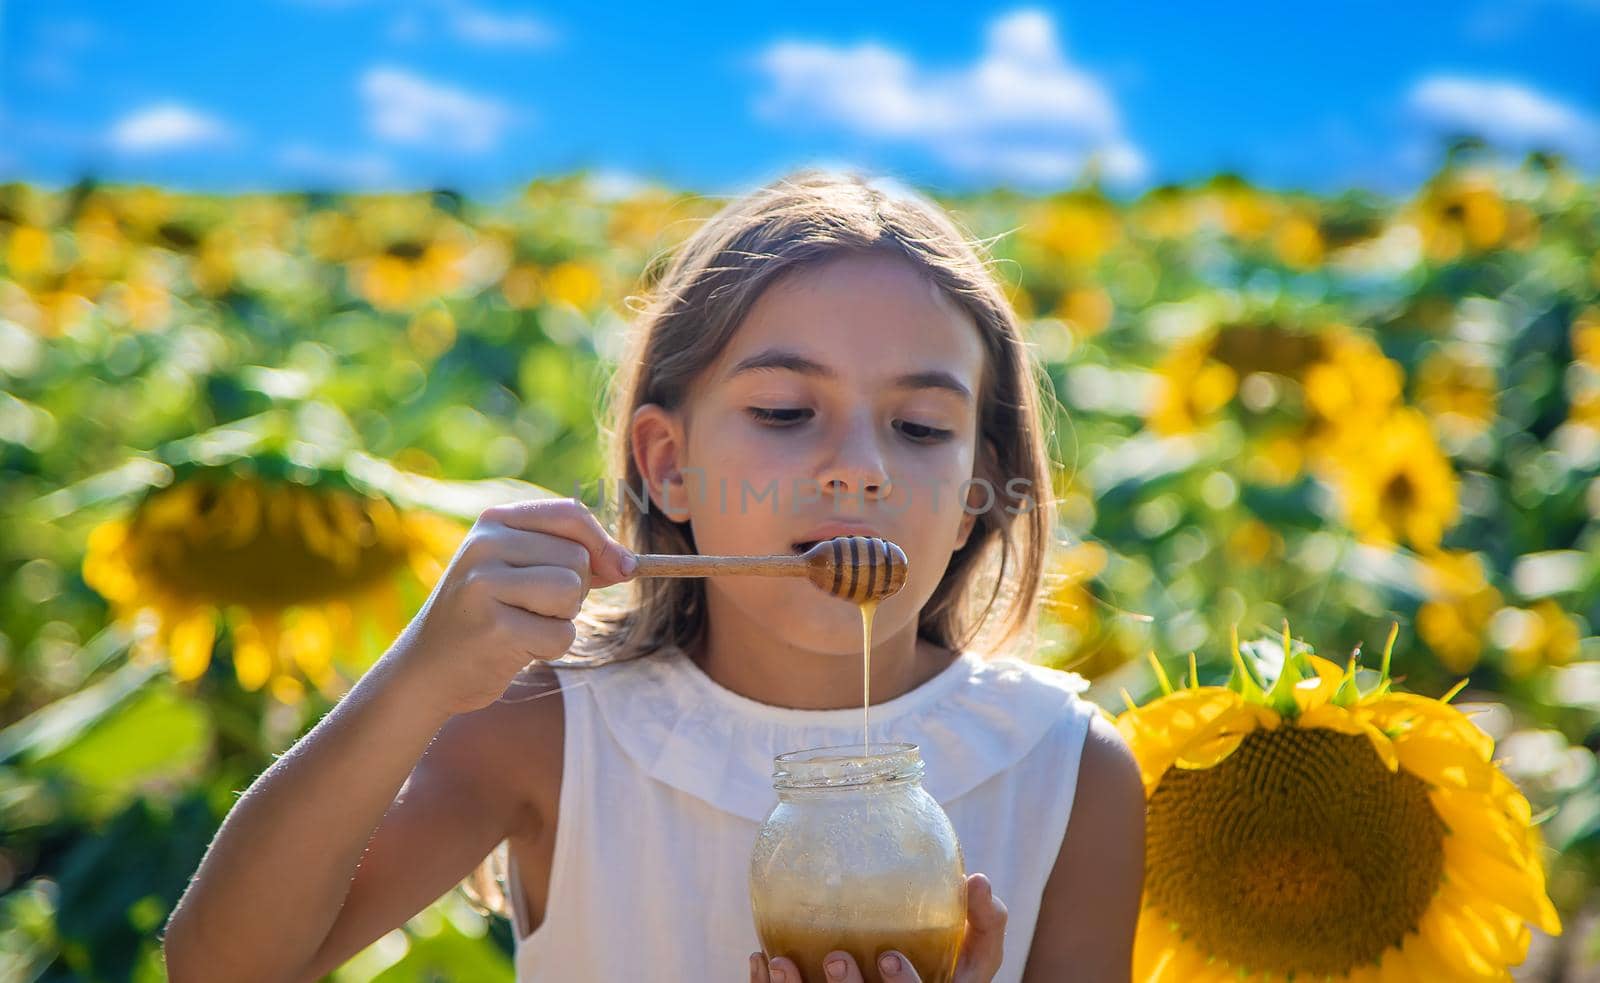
[(519, 548), (984, 946), (896, 968), (784, 970), (839, 967), (551, 591), (534, 636), (570, 518), (984, 907), (758, 969)]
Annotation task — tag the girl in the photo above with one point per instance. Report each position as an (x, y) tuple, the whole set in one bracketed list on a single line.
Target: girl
[(821, 358)]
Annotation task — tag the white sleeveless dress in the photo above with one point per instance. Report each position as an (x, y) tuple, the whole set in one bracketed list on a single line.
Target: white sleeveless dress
[(667, 777)]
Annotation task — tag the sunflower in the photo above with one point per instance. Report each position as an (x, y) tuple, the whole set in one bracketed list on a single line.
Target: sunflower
[(1080, 640), (1077, 228), (1537, 636), (1086, 310), (296, 572), (1297, 241), (1312, 830), (1349, 392), (574, 282), (1244, 212), (1583, 380), (1461, 602), (1192, 390), (1464, 213), (1460, 393), (1397, 485), (1327, 383), (1168, 211), (409, 254)]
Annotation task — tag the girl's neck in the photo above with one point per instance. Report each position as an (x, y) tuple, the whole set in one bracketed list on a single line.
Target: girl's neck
[(755, 662)]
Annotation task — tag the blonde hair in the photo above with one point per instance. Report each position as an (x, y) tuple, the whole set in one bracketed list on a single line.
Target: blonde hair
[(696, 303)]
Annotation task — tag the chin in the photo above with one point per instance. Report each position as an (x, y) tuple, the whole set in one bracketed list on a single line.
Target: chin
[(834, 632), (805, 617)]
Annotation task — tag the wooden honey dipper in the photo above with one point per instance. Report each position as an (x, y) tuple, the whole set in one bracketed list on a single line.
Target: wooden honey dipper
[(855, 568)]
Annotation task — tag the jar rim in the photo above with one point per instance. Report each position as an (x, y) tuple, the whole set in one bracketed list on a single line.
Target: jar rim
[(846, 766)]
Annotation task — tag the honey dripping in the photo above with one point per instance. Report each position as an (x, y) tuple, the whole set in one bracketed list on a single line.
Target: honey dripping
[(867, 610)]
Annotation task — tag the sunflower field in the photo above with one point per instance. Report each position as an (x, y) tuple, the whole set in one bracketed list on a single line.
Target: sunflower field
[(1328, 469)]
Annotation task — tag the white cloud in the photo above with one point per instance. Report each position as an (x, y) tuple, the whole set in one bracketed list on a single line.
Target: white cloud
[(476, 25), (1505, 112), (351, 169), (167, 126), (1022, 111), (406, 108), (613, 184)]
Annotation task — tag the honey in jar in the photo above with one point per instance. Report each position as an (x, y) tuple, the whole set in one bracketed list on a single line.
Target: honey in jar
[(857, 856)]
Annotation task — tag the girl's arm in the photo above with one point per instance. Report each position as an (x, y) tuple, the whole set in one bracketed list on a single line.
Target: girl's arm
[(1091, 901), (490, 775), (280, 895), (273, 897)]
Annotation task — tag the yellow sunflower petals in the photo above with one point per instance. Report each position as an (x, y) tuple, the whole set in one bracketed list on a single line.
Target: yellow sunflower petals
[(1426, 964), (1484, 829), (287, 689), (1162, 969), (1362, 974), (1173, 724), (1501, 939), (1445, 936), (1418, 714), (1317, 690), (1187, 966), (252, 662), (1206, 754), (1151, 938), (1516, 889), (1510, 799), (189, 645), (1395, 967), (108, 536), (1443, 762), (105, 564), (310, 641), (1218, 739)]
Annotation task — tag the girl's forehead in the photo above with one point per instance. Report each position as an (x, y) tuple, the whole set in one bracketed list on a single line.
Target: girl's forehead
[(852, 279), (856, 316)]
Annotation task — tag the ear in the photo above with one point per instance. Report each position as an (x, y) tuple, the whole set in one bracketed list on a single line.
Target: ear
[(979, 497), (657, 438)]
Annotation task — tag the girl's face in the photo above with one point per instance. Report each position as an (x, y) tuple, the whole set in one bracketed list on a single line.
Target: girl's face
[(846, 403)]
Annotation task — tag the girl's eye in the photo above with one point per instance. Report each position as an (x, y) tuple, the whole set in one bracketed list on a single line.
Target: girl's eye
[(777, 417), (781, 417), (923, 434)]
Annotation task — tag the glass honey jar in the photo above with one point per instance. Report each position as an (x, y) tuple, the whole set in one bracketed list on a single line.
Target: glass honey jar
[(857, 856)]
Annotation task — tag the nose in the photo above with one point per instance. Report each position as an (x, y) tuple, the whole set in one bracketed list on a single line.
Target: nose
[(858, 467)]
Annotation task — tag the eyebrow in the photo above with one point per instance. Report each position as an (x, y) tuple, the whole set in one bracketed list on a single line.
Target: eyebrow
[(791, 361)]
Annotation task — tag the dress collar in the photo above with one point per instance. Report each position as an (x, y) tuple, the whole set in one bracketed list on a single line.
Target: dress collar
[(972, 720)]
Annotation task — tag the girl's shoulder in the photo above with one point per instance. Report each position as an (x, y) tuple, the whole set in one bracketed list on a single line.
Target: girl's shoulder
[(1009, 671), (1036, 699), (1007, 710)]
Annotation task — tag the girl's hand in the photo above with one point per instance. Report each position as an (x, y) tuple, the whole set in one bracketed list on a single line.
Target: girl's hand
[(508, 598), (979, 960)]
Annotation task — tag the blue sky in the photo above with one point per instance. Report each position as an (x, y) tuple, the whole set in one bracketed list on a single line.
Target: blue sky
[(484, 94)]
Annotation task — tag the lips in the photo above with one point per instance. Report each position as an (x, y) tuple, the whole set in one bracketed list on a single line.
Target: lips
[(830, 531)]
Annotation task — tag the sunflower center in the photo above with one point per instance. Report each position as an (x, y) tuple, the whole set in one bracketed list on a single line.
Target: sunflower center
[(1399, 494), (1298, 853), (257, 544)]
